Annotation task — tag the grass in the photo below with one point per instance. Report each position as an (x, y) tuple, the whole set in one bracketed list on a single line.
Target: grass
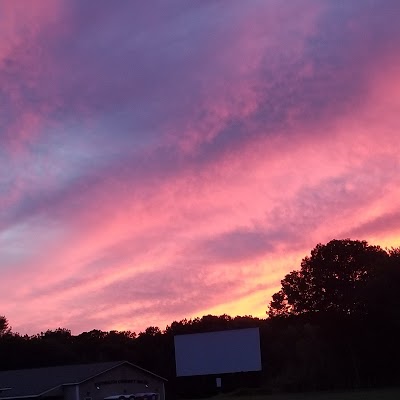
[(373, 394)]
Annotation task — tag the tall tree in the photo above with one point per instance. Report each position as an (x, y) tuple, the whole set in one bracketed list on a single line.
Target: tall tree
[(4, 325), (334, 278)]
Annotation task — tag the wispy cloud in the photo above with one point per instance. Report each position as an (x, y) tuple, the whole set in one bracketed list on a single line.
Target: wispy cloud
[(160, 162)]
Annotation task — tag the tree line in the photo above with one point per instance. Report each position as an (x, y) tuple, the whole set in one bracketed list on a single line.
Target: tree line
[(334, 324)]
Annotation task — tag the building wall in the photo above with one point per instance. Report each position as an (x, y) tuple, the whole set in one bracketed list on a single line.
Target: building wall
[(124, 379)]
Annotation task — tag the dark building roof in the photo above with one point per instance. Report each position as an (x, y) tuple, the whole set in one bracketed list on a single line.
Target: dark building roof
[(38, 381)]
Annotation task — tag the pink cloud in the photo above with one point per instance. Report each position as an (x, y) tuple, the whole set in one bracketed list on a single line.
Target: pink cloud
[(23, 60), (202, 191)]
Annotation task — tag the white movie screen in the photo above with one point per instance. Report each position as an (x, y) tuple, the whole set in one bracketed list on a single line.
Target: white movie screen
[(218, 352)]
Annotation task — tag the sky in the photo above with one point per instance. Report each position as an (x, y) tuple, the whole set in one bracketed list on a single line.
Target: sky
[(163, 160)]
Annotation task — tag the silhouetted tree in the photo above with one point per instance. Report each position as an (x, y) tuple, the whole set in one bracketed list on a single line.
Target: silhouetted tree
[(4, 326), (333, 279), (151, 331)]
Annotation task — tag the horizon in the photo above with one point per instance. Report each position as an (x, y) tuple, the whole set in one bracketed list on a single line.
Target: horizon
[(173, 160)]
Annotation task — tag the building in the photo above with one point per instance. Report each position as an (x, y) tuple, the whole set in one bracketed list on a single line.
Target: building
[(99, 381)]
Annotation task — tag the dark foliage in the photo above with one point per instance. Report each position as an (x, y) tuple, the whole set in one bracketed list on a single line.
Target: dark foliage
[(334, 324), (334, 279), (344, 301), (4, 326)]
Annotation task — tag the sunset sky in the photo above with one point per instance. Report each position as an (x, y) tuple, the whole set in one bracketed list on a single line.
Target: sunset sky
[(163, 160)]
